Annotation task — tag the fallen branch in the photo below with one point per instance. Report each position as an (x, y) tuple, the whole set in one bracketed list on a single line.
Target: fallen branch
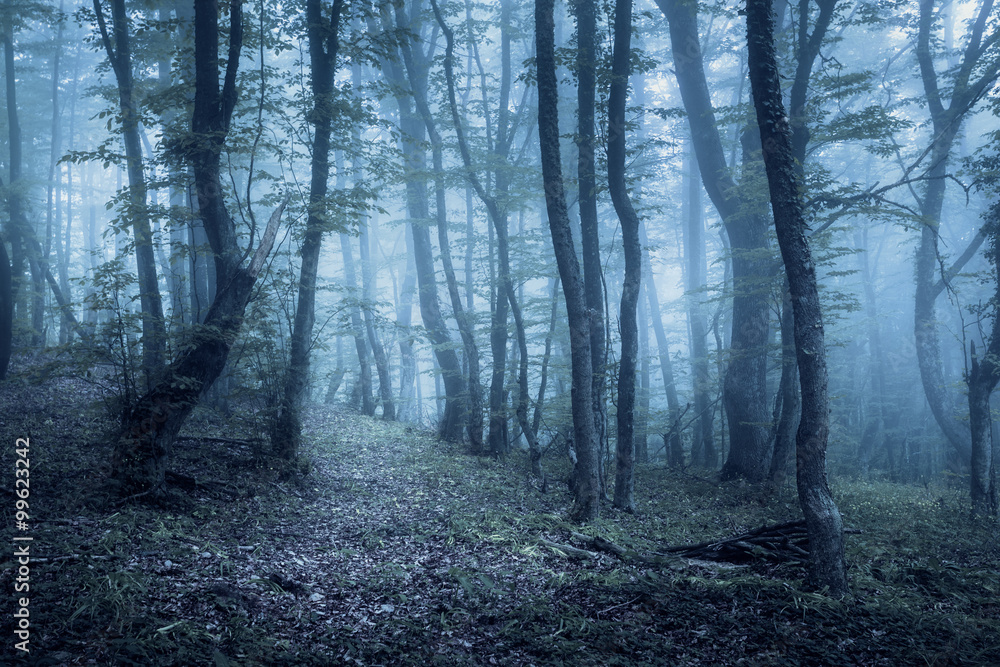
[(567, 550), (781, 542)]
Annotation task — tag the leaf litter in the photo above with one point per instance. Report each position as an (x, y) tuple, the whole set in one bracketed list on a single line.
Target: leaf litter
[(397, 549)]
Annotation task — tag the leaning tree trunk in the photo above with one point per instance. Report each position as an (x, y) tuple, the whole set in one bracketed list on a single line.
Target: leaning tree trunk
[(823, 521), (323, 44), (587, 483), (154, 333), (140, 454), (629, 219)]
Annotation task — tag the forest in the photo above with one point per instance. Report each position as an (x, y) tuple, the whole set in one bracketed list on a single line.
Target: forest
[(465, 332)]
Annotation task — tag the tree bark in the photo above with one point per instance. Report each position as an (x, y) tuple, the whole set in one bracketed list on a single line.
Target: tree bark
[(971, 78), (744, 385), (823, 521), (675, 450), (587, 485), (618, 96), (323, 39), (702, 440), (593, 277), (119, 50), (141, 451), (787, 419)]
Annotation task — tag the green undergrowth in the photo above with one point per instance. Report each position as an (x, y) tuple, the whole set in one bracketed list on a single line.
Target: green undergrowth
[(396, 549)]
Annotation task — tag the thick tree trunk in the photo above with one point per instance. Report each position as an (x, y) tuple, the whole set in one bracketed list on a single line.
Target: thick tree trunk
[(823, 521), (154, 334), (140, 456), (744, 385), (629, 219), (585, 475), (593, 277), (323, 45)]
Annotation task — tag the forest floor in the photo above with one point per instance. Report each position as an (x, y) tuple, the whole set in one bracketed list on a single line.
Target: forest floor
[(396, 549)]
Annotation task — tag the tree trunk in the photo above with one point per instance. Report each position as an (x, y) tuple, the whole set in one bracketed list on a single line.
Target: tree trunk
[(407, 407), (18, 222), (585, 475), (378, 351), (364, 384), (787, 419), (675, 449), (823, 521), (463, 314), (983, 377), (412, 139), (702, 440), (368, 276), (946, 122), (593, 277), (496, 208), (642, 412), (617, 98), (323, 45), (744, 385), (140, 456), (154, 334)]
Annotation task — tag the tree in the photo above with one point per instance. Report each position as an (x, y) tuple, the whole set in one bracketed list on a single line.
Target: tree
[(823, 521), (703, 443), (620, 65), (745, 387), (119, 49), (587, 483), (967, 83), (323, 45), (463, 314), (142, 448), (497, 209), (984, 374), (586, 170), (412, 141)]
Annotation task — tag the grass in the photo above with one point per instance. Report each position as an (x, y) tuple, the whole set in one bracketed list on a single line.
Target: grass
[(400, 550)]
